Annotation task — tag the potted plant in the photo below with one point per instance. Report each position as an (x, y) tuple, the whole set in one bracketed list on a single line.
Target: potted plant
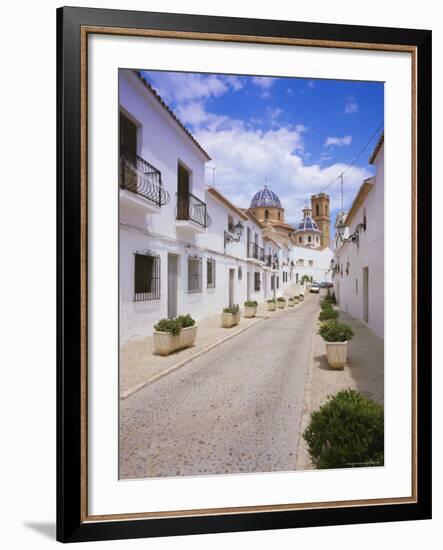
[(336, 337), (174, 334), (272, 304), (281, 302), (230, 316), (250, 308), (291, 302), (328, 314), (301, 295), (296, 299)]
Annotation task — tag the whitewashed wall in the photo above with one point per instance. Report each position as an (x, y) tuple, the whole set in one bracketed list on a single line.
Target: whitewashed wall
[(370, 253)]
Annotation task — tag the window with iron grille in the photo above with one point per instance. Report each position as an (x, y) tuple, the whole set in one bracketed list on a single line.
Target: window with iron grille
[(311, 263), (240, 273), (210, 273), (278, 282), (256, 281), (194, 275), (272, 282), (146, 276)]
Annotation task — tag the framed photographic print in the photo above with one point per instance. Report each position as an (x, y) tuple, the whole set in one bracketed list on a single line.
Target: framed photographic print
[(244, 321)]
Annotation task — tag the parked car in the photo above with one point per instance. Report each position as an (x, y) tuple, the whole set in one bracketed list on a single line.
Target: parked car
[(315, 288)]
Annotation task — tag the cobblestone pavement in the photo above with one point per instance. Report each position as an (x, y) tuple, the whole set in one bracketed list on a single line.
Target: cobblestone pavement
[(237, 408)]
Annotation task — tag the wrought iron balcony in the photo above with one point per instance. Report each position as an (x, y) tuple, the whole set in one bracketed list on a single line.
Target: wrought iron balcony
[(140, 177), (191, 208), (256, 252)]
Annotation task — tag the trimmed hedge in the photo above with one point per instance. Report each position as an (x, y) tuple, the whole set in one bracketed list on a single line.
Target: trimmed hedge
[(347, 431), (332, 331), (327, 314)]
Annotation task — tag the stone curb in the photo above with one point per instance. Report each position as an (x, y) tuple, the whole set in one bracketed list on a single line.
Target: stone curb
[(156, 377)]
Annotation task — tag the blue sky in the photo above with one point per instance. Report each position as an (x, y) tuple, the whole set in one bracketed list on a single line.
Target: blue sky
[(297, 133)]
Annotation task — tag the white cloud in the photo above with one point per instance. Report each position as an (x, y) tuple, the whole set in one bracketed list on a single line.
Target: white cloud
[(310, 84), (351, 106), (180, 87), (243, 157), (264, 82), (338, 141)]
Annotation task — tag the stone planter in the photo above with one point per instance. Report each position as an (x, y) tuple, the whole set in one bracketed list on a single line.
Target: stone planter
[(296, 300), (301, 297), (166, 343), (291, 303), (337, 353), (281, 305), (271, 306), (250, 311), (229, 320)]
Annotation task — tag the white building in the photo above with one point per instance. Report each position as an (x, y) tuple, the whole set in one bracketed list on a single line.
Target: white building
[(184, 247), (359, 262)]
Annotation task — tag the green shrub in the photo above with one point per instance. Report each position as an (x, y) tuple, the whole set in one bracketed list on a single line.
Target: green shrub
[(330, 298), (305, 279), (327, 314), (251, 303), (186, 321), (168, 325), (326, 304), (346, 431), (335, 332), (281, 299), (233, 309), (272, 301)]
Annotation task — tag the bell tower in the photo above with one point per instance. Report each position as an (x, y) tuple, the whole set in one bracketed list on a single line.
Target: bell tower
[(320, 213)]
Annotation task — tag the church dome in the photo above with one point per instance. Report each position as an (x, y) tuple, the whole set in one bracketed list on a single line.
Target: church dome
[(265, 197), (307, 223)]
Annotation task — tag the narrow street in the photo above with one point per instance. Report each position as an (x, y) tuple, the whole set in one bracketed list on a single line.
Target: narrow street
[(234, 409)]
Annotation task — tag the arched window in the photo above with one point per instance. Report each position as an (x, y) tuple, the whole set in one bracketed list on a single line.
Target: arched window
[(317, 209), (326, 209), (300, 239), (279, 215), (266, 214), (309, 238)]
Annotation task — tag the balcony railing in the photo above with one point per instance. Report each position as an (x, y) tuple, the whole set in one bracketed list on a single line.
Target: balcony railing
[(140, 177), (256, 252), (191, 208), (272, 261)]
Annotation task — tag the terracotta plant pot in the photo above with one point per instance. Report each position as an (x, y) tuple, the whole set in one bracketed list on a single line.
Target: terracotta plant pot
[(337, 354), (250, 311), (166, 343), (229, 320)]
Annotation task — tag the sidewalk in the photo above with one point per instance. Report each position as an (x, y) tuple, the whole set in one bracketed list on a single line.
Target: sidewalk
[(364, 373), (139, 365)]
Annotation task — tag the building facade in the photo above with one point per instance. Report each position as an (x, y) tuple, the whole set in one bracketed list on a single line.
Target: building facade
[(184, 247), (359, 265)]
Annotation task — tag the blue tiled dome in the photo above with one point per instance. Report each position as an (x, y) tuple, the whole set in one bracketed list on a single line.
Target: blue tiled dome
[(265, 197), (307, 223)]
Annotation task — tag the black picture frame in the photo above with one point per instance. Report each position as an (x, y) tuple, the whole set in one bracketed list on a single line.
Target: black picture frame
[(72, 525)]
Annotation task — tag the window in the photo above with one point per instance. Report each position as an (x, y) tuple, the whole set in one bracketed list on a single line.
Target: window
[(128, 133), (210, 273), (146, 276), (326, 209), (240, 273), (231, 226), (272, 282), (317, 209), (266, 214), (309, 238), (194, 274), (256, 281), (279, 215), (278, 282), (364, 220), (300, 240), (316, 238), (311, 263), (356, 286), (301, 261)]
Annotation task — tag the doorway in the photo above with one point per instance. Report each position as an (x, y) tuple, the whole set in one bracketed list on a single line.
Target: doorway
[(231, 287), (366, 294), (172, 285)]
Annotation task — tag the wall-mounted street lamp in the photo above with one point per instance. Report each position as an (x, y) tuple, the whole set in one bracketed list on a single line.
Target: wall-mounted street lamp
[(354, 237), (236, 236)]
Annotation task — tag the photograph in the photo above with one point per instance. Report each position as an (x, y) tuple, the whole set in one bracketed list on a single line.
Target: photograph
[(251, 213)]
